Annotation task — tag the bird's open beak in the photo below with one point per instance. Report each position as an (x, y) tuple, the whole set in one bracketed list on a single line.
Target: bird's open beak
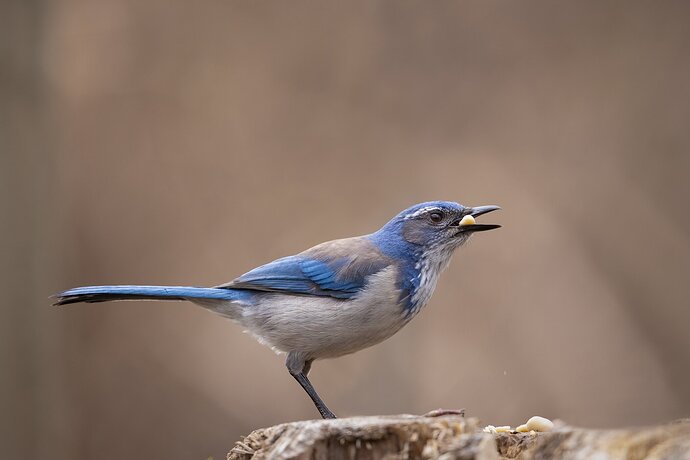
[(468, 223)]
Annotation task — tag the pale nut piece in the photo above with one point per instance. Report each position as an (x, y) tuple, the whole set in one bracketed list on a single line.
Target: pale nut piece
[(467, 220), (536, 423), (497, 429)]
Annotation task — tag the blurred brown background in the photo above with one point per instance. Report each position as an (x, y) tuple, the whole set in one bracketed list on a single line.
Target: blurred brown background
[(186, 142)]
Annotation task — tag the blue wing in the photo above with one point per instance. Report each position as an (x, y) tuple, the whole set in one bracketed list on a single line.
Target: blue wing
[(337, 269)]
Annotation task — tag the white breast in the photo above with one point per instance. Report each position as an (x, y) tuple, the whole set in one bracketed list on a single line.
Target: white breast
[(430, 267)]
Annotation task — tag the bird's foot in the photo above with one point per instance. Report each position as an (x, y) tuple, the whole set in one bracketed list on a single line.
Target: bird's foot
[(327, 414), (441, 412)]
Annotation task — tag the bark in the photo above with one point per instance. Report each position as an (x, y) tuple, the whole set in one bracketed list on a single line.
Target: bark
[(454, 437)]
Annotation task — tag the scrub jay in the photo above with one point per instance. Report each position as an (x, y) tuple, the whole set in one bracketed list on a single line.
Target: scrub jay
[(335, 298)]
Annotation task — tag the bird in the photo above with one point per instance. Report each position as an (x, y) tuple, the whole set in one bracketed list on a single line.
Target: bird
[(335, 298)]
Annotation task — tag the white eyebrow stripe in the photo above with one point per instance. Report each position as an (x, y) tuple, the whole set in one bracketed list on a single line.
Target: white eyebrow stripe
[(422, 211)]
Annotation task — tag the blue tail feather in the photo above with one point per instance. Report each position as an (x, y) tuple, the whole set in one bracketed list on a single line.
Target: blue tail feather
[(108, 293)]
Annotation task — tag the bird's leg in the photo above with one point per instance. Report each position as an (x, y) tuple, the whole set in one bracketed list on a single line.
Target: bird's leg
[(299, 368), (307, 367), (320, 405)]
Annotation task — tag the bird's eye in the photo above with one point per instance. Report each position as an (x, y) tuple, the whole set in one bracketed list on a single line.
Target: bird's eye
[(436, 217)]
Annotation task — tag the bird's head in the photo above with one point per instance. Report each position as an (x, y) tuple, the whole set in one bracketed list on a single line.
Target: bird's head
[(438, 225)]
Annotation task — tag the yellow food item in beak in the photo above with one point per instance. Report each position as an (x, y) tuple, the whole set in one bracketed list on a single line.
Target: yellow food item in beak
[(467, 220)]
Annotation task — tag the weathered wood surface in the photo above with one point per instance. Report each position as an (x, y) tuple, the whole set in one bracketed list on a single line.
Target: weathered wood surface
[(454, 437)]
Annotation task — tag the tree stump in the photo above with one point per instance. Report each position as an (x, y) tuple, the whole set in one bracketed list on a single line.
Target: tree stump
[(454, 437)]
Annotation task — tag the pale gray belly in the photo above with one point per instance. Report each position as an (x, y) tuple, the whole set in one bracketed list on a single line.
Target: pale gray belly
[(325, 327)]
